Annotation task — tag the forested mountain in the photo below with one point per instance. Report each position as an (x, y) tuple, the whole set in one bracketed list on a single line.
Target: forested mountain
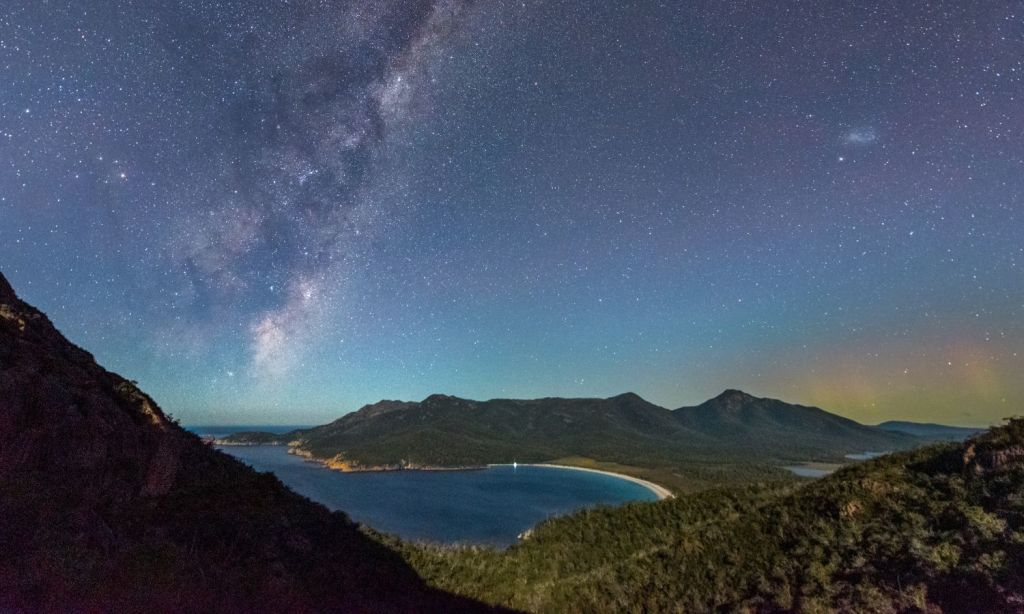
[(734, 437), (783, 430), (108, 505)]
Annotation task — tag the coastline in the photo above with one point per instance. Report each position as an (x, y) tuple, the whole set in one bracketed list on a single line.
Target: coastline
[(332, 464), (660, 491), (342, 466)]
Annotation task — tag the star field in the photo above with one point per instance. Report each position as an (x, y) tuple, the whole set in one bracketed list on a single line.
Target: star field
[(276, 211)]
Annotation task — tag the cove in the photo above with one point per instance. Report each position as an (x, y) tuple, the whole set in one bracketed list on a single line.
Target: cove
[(483, 506)]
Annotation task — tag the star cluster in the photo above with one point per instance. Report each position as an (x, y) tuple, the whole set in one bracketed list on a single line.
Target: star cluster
[(277, 210)]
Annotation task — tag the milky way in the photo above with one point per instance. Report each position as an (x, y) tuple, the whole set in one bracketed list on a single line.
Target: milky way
[(302, 138), (276, 211)]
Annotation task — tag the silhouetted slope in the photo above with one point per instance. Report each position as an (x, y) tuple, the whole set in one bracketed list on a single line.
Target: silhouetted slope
[(106, 505)]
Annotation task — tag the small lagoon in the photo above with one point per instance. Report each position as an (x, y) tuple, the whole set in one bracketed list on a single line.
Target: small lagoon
[(865, 456), (820, 470)]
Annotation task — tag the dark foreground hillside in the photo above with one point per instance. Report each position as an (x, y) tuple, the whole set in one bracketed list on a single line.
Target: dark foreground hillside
[(939, 529), (106, 505)]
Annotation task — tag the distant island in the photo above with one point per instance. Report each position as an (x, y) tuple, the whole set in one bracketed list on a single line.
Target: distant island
[(733, 438), (931, 431)]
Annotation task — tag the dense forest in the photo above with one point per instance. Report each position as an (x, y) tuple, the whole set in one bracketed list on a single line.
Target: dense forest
[(939, 528)]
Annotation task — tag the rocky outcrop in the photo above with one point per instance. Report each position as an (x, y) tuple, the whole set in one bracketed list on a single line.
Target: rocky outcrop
[(980, 459)]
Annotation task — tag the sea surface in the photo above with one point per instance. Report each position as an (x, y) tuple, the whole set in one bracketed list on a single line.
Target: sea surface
[(483, 506)]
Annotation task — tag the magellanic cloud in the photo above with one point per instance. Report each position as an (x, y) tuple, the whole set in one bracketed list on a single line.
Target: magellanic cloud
[(865, 135)]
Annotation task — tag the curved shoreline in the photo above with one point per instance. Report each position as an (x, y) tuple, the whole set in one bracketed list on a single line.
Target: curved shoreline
[(660, 491)]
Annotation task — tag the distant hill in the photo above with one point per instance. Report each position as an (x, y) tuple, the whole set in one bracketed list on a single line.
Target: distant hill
[(107, 505), (929, 431), (734, 432), (781, 429)]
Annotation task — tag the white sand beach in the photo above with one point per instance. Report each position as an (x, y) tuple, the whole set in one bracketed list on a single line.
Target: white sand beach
[(660, 491)]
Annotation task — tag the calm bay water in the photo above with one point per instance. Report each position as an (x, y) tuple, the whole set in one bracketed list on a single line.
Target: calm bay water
[(492, 505)]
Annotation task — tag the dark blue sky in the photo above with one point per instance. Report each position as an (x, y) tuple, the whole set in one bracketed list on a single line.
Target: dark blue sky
[(271, 211)]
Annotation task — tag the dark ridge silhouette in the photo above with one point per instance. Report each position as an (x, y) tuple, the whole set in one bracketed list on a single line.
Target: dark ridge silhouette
[(106, 504)]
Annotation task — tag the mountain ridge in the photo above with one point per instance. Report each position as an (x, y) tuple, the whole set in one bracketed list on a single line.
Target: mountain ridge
[(733, 430)]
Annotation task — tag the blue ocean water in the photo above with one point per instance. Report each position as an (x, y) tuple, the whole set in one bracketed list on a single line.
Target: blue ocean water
[(489, 506)]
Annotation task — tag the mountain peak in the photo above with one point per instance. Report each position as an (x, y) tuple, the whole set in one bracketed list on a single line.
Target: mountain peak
[(441, 398), (379, 408), (628, 396), (734, 396)]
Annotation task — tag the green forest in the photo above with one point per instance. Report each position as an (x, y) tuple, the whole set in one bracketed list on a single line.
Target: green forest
[(940, 527)]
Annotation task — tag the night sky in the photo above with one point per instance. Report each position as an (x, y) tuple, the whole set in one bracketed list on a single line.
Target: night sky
[(273, 211)]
